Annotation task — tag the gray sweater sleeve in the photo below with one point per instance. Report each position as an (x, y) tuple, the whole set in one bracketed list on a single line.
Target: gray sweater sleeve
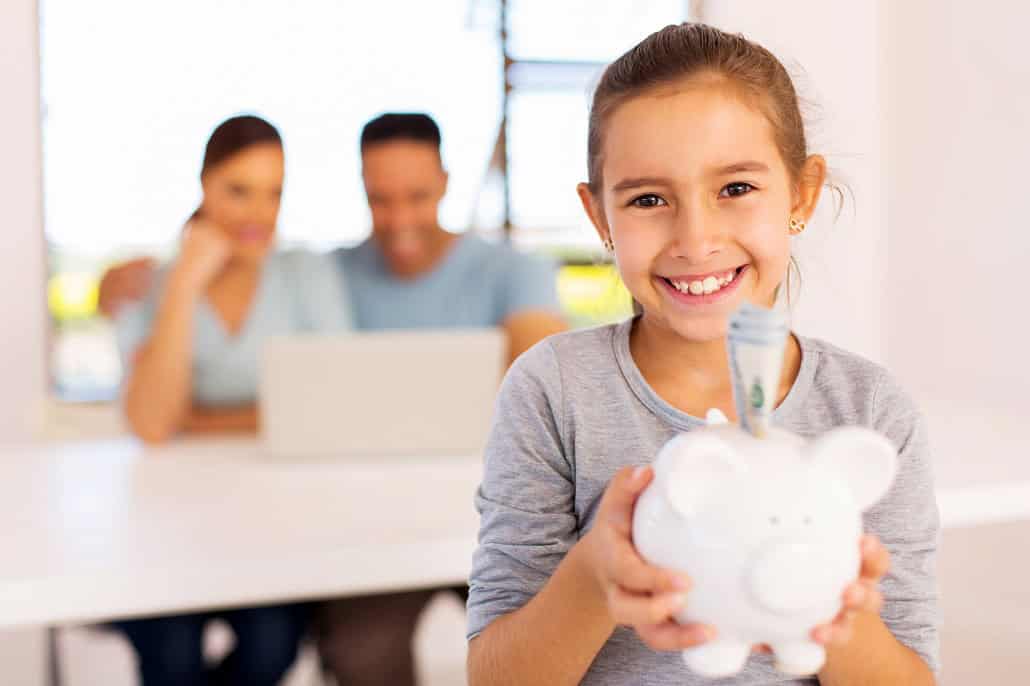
[(525, 502), (907, 522)]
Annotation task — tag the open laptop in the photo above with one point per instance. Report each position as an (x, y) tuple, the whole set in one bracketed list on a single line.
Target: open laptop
[(396, 393)]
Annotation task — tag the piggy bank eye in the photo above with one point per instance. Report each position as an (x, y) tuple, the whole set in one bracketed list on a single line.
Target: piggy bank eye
[(807, 520), (774, 520)]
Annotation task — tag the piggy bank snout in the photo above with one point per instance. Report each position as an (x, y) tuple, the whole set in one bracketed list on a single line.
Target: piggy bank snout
[(787, 578)]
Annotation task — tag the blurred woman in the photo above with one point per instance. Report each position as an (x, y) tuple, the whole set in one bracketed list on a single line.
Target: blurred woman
[(192, 347), (191, 351)]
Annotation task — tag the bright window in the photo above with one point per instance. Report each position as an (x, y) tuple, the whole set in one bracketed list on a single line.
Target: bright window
[(132, 90)]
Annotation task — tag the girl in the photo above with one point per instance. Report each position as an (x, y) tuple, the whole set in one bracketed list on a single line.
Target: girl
[(698, 176), (193, 349)]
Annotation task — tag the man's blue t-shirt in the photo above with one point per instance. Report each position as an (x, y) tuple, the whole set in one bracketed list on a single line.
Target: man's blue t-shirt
[(476, 284)]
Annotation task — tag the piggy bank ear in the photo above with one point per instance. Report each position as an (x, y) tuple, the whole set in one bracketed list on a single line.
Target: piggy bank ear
[(865, 461), (691, 469)]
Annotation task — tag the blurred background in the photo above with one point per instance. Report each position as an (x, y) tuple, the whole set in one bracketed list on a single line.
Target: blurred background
[(921, 108), (132, 108)]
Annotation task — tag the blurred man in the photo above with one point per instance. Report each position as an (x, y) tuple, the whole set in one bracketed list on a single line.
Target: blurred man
[(410, 273)]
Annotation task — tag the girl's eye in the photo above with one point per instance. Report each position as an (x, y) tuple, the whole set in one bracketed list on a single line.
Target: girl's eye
[(648, 200), (737, 188)]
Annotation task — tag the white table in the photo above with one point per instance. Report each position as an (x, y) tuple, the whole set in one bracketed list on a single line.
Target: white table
[(97, 530), (104, 529)]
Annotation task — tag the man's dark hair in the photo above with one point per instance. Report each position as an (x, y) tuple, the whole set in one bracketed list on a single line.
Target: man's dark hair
[(398, 126)]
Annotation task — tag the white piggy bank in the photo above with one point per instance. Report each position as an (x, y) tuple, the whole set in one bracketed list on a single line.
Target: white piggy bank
[(768, 530)]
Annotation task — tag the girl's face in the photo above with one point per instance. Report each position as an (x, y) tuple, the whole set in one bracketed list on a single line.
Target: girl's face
[(697, 201), (241, 197)]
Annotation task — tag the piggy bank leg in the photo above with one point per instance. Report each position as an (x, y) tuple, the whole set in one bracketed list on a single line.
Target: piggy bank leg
[(718, 658), (799, 658)]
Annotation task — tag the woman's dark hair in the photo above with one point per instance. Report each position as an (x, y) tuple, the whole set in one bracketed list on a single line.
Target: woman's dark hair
[(235, 135)]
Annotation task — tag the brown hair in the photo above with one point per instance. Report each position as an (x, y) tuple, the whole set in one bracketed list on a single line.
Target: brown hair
[(686, 50), (234, 135)]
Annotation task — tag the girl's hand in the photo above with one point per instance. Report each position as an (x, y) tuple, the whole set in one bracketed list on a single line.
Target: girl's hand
[(861, 595), (202, 255), (637, 594)]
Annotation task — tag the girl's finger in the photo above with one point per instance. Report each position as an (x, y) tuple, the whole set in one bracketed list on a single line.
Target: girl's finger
[(822, 634), (836, 635), (875, 558), (628, 570), (616, 508), (863, 596), (634, 609), (838, 631), (843, 622), (873, 603), (855, 596), (674, 636)]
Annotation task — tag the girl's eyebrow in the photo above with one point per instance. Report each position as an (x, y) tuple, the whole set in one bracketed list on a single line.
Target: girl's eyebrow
[(630, 183), (735, 168), (746, 166)]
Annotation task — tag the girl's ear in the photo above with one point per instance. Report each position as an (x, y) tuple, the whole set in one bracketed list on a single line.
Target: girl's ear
[(809, 188), (592, 206)]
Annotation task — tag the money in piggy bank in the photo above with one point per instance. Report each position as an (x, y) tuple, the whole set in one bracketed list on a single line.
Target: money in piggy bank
[(767, 528)]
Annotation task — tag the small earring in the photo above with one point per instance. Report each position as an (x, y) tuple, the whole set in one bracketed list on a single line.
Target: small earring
[(796, 227), (608, 244)]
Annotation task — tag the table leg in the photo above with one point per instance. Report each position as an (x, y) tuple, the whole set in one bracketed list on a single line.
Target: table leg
[(53, 667)]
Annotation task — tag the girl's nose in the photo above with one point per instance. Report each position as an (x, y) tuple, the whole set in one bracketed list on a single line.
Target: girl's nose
[(696, 237)]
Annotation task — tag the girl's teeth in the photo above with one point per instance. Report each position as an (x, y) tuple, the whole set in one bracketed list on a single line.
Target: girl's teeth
[(707, 286)]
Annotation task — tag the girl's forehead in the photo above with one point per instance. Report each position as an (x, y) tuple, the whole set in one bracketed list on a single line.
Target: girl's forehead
[(687, 130)]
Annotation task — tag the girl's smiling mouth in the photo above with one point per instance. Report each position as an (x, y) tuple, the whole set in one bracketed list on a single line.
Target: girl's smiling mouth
[(703, 289)]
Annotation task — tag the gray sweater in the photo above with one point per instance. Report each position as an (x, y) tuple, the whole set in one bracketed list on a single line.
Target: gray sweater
[(575, 409)]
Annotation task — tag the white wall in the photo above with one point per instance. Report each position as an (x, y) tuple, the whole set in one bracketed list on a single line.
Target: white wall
[(22, 335), (21, 261), (959, 133), (959, 230), (832, 49)]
